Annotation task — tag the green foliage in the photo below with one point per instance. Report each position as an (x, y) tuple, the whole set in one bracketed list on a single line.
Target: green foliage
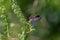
[(14, 15), (6, 28)]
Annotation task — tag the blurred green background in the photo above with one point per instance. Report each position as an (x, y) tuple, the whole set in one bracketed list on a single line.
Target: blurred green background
[(14, 16)]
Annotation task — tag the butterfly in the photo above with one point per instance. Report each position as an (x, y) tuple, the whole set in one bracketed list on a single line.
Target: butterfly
[(34, 19)]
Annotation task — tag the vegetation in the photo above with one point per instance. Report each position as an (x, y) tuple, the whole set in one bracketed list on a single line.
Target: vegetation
[(14, 23)]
